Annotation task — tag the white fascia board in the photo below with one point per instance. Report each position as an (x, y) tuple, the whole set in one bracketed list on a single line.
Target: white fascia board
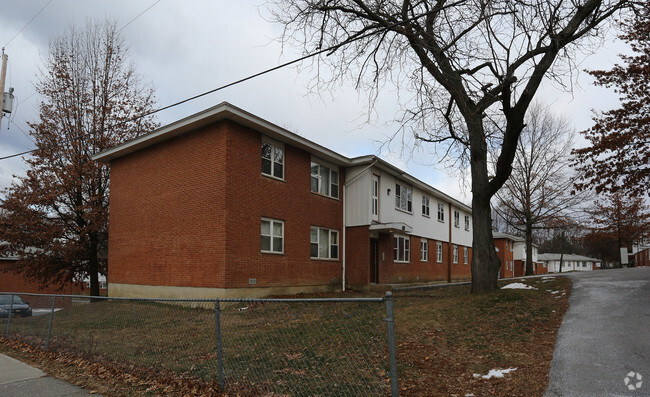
[(223, 111)]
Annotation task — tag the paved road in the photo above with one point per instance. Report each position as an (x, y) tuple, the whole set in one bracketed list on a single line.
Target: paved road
[(18, 379), (604, 336)]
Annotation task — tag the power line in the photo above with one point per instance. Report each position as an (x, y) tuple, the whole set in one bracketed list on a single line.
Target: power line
[(139, 15), (30, 21), (329, 50)]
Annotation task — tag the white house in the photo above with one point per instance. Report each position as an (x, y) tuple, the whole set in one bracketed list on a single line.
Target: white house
[(570, 263)]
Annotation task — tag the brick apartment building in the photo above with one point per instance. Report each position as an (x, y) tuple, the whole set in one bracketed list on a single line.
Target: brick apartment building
[(224, 203), (642, 257), (511, 250)]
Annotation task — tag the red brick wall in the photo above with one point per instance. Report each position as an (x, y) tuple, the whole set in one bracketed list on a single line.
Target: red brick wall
[(640, 258), (12, 282), (460, 270), (187, 212), (505, 254), (358, 255), (417, 270), (540, 269), (520, 270)]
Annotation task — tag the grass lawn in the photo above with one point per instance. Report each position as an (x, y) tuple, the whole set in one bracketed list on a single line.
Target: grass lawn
[(444, 337)]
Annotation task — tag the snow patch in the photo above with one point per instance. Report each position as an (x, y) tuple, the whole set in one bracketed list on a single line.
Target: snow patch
[(517, 286), (495, 373)]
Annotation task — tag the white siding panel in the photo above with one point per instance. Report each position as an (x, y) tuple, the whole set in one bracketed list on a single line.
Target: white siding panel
[(357, 199)]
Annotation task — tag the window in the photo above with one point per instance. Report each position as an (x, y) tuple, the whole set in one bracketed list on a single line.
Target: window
[(465, 255), (324, 243), (439, 251), (272, 235), (455, 254), (466, 222), (402, 249), (456, 219), (375, 196), (441, 212), (324, 180), (403, 195), (425, 206), (424, 251), (272, 160)]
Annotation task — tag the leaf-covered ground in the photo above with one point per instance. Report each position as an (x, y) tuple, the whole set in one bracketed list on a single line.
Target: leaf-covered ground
[(445, 338)]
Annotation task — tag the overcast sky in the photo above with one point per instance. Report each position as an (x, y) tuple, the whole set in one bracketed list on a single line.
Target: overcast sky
[(191, 46)]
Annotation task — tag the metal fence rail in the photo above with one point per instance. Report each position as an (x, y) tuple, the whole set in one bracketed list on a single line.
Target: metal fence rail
[(296, 347)]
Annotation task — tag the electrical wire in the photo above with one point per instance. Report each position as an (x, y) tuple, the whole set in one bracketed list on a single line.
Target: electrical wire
[(328, 50), (139, 15), (28, 22)]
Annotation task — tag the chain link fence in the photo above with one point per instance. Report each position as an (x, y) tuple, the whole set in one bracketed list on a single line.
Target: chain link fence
[(288, 347)]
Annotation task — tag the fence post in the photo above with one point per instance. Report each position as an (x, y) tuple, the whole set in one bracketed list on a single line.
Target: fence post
[(49, 327), (11, 309), (217, 321), (390, 320)]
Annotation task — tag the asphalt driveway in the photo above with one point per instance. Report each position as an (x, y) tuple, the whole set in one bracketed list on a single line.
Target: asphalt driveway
[(603, 345)]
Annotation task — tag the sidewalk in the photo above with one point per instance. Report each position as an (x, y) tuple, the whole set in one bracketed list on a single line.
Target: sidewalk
[(18, 379)]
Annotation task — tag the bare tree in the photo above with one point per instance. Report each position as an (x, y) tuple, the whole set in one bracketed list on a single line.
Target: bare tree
[(56, 217), (469, 64), (538, 193)]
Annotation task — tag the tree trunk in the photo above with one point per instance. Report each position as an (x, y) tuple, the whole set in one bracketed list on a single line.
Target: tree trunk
[(485, 262), (93, 265), (529, 249)]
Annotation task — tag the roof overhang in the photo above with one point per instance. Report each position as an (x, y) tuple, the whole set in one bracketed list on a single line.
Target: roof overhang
[(223, 111), (392, 227)]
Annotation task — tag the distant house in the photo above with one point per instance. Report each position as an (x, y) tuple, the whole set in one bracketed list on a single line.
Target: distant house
[(642, 257), (13, 282), (570, 263), (226, 204), (512, 253)]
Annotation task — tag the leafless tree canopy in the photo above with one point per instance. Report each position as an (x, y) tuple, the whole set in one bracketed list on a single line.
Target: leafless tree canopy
[(467, 64)]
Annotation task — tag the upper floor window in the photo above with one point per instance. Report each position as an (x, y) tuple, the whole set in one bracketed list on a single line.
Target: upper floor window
[(456, 219), (424, 250), (273, 159), (439, 251), (324, 243), (403, 196), (441, 212), (402, 249), (324, 180), (272, 235), (375, 196), (466, 222), (425, 206)]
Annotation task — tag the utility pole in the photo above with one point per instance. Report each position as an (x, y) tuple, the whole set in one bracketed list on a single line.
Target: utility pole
[(3, 75)]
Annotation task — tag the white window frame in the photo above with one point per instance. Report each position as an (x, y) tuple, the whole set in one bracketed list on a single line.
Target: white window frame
[(425, 206), (465, 255), (332, 242), (439, 251), (467, 222), (273, 161), (424, 250), (374, 201), (332, 177), (272, 237), (455, 257), (402, 253), (456, 219), (441, 212), (406, 192)]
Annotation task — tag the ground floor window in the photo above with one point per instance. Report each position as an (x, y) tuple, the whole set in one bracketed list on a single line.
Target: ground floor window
[(402, 249), (439, 252), (424, 250), (465, 255), (272, 235), (455, 254), (324, 243)]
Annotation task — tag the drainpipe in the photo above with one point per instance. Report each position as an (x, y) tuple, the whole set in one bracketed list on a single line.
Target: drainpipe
[(450, 258), (345, 245)]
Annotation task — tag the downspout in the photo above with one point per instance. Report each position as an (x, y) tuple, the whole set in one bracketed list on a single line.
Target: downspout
[(345, 245)]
